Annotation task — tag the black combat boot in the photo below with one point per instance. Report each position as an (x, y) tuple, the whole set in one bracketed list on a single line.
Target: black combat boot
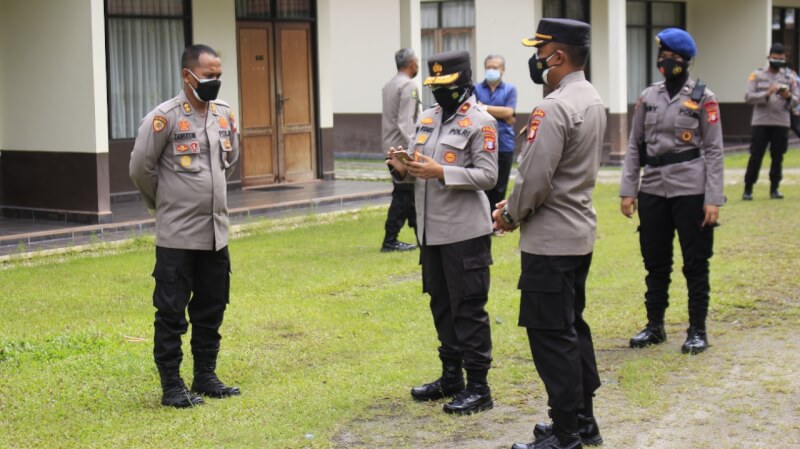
[(588, 430), (451, 382), (563, 433), (652, 334), (696, 341), (174, 391), (206, 381), (477, 397)]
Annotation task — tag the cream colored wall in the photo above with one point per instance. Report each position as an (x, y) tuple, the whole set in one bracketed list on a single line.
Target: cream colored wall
[(53, 94), (214, 24), (731, 45), (500, 26), (364, 37), (325, 62)]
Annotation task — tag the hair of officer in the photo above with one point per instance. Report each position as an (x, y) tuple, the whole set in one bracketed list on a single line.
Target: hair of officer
[(404, 57), (500, 57), (576, 54), (191, 56)]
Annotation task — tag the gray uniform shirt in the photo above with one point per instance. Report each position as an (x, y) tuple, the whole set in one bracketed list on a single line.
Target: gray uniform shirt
[(772, 110), (179, 163), (400, 111), (672, 125), (552, 196), (465, 145)]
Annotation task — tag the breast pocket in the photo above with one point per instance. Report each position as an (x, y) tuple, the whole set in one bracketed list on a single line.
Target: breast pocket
[(452, 150), (185, 157), (686, 129), (226, 147), (650, 126)]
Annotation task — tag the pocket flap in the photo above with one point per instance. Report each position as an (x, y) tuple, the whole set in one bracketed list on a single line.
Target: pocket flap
[(683, 121), (165, 273), (456, 141), (540, 283), (476, 262)]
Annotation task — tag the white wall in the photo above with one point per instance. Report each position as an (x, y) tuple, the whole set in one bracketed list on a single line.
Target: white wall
[(325, 63), (53, 90), (214, 24), (364, 37), (500, 26)]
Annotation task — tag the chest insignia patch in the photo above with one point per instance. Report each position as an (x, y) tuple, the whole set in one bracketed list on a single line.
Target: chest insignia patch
[(464, 108), (186, 161), (426, 121), (450, 157), (465, 122), (183, 125), (691, 105), (227, 144), (223, 122), (159, 123), (422, 138), (213, 108), (712, 112), (195, 147), (187, 108), (182, 148), (686, 136)]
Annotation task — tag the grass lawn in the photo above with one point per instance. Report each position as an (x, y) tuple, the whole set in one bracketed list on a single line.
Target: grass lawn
[(323, 329)]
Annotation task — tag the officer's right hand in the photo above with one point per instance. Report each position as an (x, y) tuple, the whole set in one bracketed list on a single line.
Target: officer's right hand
[(398, 166), (628, 206)]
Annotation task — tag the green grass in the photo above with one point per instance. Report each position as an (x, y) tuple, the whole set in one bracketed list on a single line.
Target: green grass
[(322, 327), (739, 159)]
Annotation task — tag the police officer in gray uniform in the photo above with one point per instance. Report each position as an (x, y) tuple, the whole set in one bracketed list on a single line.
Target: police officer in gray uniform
[(676, 145), (400, 112), (453, 159), (773, 92), (185, 149), (552, 205)]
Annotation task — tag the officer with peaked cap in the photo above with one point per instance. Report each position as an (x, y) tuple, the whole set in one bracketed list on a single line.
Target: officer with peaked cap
[(453, 159), (673, 173), (551, 203)]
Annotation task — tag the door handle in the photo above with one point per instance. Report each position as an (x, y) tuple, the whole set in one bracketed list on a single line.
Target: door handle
[(280, 102)]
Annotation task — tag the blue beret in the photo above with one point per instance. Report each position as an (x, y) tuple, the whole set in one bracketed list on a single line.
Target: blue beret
[(678, 41)]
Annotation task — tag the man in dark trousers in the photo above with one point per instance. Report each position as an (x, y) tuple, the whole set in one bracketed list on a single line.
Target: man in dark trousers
[(185, 149), (773, 92), (552, 205), (400, 111)]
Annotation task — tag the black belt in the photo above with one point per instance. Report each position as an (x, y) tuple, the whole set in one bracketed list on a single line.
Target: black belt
[(672, 158)]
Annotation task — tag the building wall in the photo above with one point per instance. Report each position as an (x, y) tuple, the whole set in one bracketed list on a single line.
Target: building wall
[(325, 86)]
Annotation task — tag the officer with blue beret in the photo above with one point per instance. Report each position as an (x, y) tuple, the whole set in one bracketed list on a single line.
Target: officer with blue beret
[(673, 173)]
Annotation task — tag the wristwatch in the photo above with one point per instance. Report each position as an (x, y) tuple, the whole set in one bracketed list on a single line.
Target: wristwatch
[(506, 216)]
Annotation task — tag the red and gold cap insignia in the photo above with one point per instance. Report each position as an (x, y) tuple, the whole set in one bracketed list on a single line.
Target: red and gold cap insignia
[(437, 68), (159, 123)]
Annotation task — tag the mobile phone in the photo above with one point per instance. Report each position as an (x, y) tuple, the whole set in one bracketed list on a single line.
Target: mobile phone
[(403, 156)]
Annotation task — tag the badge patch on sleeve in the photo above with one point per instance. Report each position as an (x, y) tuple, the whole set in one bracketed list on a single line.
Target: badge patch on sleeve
[(712, 112), (533, 125), (159, 123), (489, 139)]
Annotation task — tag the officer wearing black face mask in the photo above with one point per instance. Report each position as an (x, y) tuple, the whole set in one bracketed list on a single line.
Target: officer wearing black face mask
[(673, 172), (773, 92), (185, 149), (453, 159)]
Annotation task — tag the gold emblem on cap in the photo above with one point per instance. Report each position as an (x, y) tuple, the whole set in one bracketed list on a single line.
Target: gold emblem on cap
[(437, 68)]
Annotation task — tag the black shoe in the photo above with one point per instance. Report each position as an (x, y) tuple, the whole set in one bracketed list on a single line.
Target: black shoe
[(696, 341), (176, 395), (396, 245), (747, 196), (208, 384), (550, 442), (450, 384), (652, 334), (776, 195), (588, 430), (473, 399)]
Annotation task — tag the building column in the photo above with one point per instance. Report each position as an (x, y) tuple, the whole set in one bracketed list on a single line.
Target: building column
[(326, 89), (618, 80)]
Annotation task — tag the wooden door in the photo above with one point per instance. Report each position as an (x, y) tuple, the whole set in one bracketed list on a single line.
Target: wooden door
[(278, 129), (295, 102)]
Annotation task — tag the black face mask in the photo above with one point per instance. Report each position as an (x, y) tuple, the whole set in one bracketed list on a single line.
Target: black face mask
[(449, 99), (777, 63), (672, 69), (538, 68), (206, 90)]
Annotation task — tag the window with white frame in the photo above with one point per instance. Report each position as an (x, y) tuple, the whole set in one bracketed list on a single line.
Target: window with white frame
[(446, 26)]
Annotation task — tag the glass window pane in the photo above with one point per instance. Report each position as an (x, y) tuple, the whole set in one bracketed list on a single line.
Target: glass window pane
[(144, 69), (253, 9), (655, 75), (776, 18), (458, 14), (429, 16), (294, 8), (637, 69), (789, 19), (578, 10), (146, 7), (428, 50), (458, 41), (636, 13), (666, 14), (551, 8)]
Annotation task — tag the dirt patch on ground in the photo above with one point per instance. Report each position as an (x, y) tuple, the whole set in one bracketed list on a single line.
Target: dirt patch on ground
[(742, 393)]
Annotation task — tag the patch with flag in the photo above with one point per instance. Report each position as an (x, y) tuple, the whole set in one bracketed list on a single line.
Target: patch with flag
[(712, 112), (533, 125), (489, 139)]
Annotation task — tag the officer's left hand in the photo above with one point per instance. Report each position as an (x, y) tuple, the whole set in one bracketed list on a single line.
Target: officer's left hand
[(426, 168), (711, 215), (785, 93)]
